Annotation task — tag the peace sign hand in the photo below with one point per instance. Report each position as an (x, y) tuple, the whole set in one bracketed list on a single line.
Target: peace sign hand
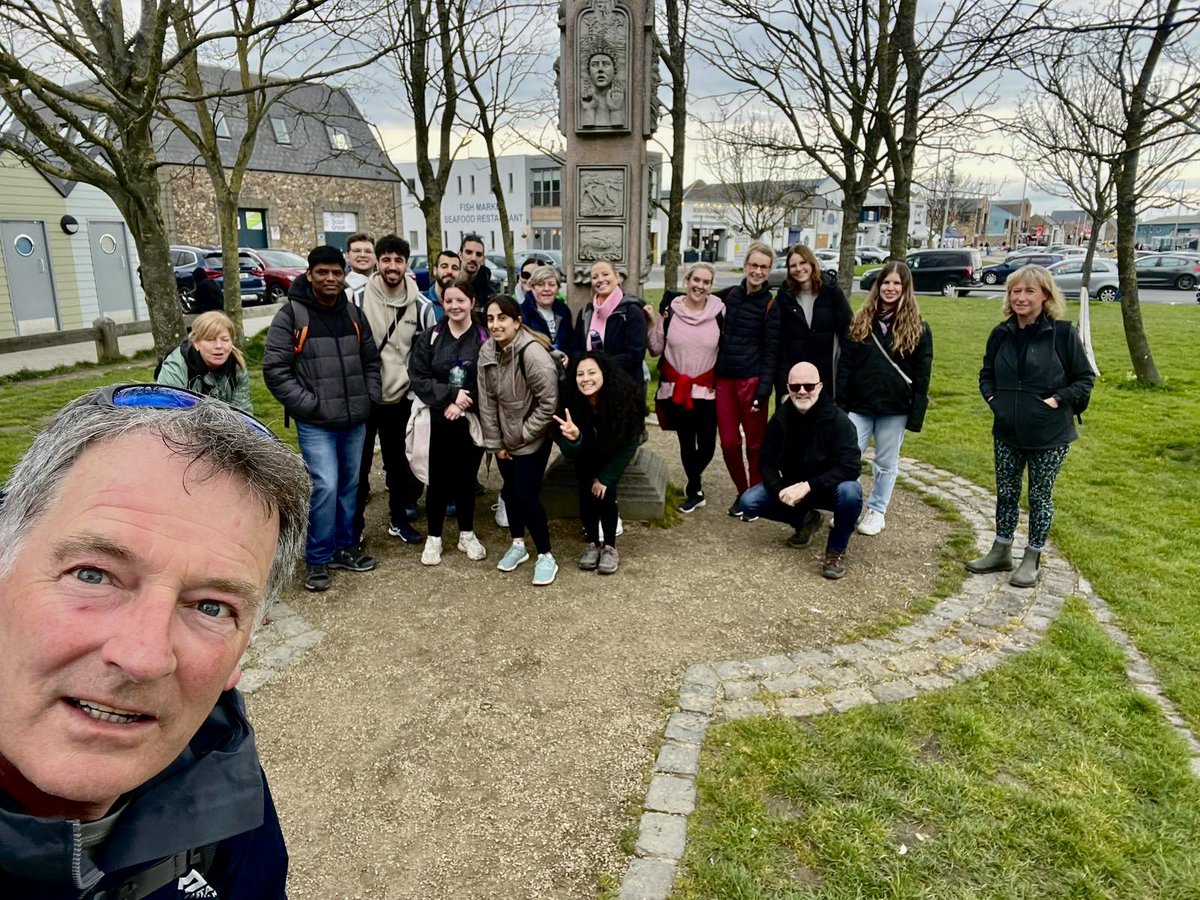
[(568, 428)]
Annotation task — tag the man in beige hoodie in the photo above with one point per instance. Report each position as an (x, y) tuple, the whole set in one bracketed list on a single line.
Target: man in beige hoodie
[(397, 313)]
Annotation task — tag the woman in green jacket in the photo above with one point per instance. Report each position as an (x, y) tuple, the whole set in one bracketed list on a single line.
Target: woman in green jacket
[(599, 428), (208, 362)]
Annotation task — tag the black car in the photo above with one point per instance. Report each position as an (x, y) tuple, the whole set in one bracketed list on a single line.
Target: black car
[(938, 271), (1177, 270), (186, 259)]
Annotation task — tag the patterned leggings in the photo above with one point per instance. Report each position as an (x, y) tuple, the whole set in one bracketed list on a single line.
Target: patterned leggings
[(1043, 470)]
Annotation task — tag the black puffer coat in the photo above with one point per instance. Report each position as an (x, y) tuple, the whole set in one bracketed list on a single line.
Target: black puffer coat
[(750, 342), (624, 335), (819, 446), (334, 379), (1020, 371), (869, 385), (801, 342)]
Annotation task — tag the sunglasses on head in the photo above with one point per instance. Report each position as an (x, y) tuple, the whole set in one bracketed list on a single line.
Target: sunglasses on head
[(525, 276), (162, 396), (806, 386)]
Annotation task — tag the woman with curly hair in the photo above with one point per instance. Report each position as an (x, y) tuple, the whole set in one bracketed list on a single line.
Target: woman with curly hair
[(601, 421), (1035, 377), (813, 318), (883, 380)]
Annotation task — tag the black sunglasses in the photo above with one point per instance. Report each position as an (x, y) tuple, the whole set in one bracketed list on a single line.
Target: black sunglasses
[(162, 396), (806, 387)]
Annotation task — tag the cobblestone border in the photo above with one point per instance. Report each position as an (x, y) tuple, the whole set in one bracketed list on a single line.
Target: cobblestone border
[(276, 645), (962, 637)]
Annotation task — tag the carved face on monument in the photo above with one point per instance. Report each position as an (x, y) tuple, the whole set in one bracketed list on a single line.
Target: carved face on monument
[(601, 69)]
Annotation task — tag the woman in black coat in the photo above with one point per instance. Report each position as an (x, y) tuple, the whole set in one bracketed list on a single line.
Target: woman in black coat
[(1035, 377), (883, 380), (613, 322), (813, 320)]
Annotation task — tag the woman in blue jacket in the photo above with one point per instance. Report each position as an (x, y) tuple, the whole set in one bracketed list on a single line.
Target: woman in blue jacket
[(1035, 377), (543, 312)]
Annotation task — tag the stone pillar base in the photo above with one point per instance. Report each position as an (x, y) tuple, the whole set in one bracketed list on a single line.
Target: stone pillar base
[(642, 492)]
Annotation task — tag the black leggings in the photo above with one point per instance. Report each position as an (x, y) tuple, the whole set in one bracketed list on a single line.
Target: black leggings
[(453, 462), (596, 512), (522, 495), (697, 431)]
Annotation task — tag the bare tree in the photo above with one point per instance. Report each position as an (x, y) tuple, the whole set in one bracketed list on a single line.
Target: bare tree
[(823, 69), (1144, 54), (676, 16), (761, 186), (497, 67), (954, 198), (86, 86)]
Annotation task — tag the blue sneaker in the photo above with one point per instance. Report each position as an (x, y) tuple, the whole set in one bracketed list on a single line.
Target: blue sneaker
[(545, 570), (516, 555)]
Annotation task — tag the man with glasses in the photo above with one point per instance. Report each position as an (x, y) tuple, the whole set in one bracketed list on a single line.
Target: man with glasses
[(321, 363), (143, 537), (745, 369), (810, 461), (448, 267), (360, 253)]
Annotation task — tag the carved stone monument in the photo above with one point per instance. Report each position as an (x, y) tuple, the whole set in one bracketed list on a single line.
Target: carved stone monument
[(608, 81), (608, 107)]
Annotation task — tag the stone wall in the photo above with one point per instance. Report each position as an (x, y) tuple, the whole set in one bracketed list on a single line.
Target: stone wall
[(295, 204)]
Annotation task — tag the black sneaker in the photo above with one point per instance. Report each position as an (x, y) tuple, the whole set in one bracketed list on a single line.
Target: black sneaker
[(317, 577), (691, 504), (735, 511), (405, 532), (352, 560), (804, 534)]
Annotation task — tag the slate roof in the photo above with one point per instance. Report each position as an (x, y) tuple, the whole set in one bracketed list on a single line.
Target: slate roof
[(308, 111)]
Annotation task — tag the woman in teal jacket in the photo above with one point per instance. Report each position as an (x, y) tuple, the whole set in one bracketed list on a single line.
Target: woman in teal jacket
[(208, 362)]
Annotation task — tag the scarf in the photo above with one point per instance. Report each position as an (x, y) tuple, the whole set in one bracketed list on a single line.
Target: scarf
[(600, 314), (885, 314)]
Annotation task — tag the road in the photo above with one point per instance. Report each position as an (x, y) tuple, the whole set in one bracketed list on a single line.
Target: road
[(726, 277)]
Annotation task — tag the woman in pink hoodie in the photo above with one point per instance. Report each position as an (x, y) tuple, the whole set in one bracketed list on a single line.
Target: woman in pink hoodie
[(687, 336)]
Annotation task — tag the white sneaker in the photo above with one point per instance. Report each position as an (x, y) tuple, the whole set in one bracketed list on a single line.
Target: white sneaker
[(872, 523), (470, 545), (432, 554), (501, 513), (620, 530)]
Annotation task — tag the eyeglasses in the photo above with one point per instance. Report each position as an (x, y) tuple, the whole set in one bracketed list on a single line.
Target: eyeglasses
[(162, 396), (803, 387)]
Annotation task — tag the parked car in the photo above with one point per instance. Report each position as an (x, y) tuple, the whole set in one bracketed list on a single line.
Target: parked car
[(1177, 270), (280, 268), (1104, 284), (546, 258), (502, 279), (418, 264), (998, 273), (833, 257), (870, 254), (186, 259), (1025, 251), (938, 271)]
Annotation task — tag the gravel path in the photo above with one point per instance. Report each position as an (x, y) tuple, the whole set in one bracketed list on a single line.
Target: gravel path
[(460, 734)]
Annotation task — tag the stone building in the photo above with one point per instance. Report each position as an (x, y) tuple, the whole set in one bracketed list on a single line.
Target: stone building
[(317, 173)]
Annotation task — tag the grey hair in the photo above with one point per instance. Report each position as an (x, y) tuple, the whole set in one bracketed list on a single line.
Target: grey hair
[(707, 267), (211, 435), (543, 273)]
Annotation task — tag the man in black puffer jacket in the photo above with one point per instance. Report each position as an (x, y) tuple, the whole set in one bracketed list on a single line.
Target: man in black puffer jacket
[(810, 461), (745, 369), (321, 364)]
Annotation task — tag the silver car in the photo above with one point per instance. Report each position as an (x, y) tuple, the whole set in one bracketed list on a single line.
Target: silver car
[(1104, 284)]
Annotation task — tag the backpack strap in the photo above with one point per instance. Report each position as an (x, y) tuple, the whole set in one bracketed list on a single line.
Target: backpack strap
[(171, 869), (1062, 334), (299, 326)]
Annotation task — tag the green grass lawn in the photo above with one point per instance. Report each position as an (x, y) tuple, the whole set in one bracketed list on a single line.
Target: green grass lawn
[(1049, 777)]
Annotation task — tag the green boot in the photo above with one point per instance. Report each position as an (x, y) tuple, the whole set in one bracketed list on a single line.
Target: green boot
[(998, 559), (1027, 573)]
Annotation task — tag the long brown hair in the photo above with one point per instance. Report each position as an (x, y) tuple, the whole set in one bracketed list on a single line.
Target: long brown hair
[(814, 281), (907, 327)]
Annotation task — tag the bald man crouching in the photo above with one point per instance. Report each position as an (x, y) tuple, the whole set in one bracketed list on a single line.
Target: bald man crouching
[(810, 461), (143, 538)]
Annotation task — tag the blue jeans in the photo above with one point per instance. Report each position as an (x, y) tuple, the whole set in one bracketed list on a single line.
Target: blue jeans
[(889, 435), (845, 500), (333, 457)]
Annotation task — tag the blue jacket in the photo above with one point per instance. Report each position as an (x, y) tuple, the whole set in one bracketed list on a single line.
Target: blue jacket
[(565, 339), (212, 800)]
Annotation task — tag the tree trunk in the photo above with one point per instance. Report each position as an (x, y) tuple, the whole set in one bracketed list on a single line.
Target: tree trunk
[(675, 198), (852, 204), (506, 235), (1140, 356), (227, 215), (143, 214)]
